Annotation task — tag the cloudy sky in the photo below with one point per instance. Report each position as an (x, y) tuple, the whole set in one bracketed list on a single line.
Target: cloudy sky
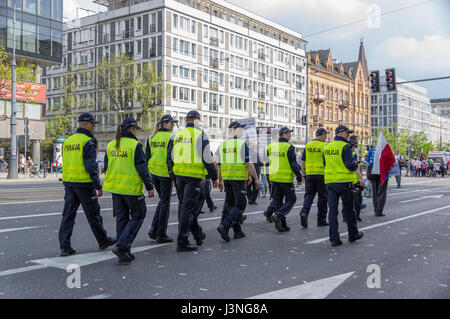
[(414, 40)]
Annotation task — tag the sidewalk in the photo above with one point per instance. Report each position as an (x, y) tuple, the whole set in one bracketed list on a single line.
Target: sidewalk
[(53, 177)]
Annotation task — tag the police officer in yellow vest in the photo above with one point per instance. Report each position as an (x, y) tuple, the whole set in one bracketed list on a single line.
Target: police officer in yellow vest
[(282, 167), (125, 171), (313, 169), (158, 159), (340, 168), (234, 166), (82, 185), (192, 161)]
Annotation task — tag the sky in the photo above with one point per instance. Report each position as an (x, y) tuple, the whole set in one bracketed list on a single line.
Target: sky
[(415, 38)]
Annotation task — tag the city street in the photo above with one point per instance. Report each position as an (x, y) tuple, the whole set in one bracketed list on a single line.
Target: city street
[(410, 246)]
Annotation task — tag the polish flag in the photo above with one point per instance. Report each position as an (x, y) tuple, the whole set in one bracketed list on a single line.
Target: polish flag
[(384, 158)]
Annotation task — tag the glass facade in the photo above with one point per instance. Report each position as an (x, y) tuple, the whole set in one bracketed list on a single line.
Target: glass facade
[(38, 28)]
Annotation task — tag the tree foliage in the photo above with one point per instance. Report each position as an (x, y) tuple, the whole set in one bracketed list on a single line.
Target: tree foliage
[(131, 86)]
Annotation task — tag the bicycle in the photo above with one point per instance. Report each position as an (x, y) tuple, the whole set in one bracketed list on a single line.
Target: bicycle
[(39, 170)]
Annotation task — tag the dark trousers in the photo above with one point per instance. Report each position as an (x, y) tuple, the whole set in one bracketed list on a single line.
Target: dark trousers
[(87, 197), (344, 191), (189, 189), (235, 204), (130, 212), (315, 184), (163, 186), (280, 192), (252, 192), (358, 204), (379, 195)]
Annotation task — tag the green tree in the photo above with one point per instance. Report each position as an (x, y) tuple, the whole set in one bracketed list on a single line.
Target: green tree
[(129, 86), (66, 108)]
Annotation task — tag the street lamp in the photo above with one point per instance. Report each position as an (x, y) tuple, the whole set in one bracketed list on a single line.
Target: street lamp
[(12, 170)]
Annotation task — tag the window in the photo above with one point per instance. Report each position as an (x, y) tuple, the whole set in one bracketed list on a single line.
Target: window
[(175, 21), (175, 45), (174, 92), (45, 8), (193, 92), (184, 94), (193, 47), (193, 75), (184, 72), (193, 26), (184, 47)]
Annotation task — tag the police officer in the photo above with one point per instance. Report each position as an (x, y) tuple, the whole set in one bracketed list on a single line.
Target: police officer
[(158, 160), (192, 161), (312, 166), (81, 180), (126, 169), (234, 168), (282, 167), (340, 167), (205, 196)]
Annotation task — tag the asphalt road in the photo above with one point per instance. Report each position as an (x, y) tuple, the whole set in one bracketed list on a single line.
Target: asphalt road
[(409, 249)]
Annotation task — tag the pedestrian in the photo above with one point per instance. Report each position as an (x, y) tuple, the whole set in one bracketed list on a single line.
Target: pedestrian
[(192, 161), (81, 185), (125, 171), (22, 164), (282, 167), (158, 159), (408, 167), (395, 171), (252, 190), (340, 168), (313, 170), (205, 196), (2, 164), (358, 201), (234, 169), (379, 191), (424, 168), (29, 164)]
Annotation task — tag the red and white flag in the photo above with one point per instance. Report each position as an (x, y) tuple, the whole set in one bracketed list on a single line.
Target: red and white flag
[(384, 158)]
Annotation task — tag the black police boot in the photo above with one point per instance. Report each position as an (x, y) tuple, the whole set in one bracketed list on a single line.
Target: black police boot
[(212, 209), (188, 247), (199, 242), (201, 212), (109, 242), (223, 232), (304, 220), (358, 219), (132, 256), (284, 223), (238, 234), (163, 240), (321, 223), (278, 223), (336, 242), (68, 252), (357, 237), (152, 234), (123, 256), (363, 206), (268, 216), (242, 218)]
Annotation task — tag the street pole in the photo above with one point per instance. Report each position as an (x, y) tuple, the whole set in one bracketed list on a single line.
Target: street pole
[(12, 165)]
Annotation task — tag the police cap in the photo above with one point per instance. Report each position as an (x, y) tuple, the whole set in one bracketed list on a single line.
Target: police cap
[(87, 117)]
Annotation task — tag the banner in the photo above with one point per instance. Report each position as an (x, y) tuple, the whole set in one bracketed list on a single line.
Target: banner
[(29, 92)]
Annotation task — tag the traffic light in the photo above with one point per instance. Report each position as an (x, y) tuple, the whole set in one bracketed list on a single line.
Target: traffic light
[(375, 81), (390, 80)]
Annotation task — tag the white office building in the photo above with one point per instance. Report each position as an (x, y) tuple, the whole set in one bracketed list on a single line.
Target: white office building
[(218, 58)]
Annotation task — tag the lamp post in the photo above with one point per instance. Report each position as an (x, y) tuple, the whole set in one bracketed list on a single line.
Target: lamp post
[(12, 169)]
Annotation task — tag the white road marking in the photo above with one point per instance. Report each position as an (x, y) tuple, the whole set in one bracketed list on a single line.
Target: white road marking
[(418, 190), (318, 289), (15, 229), (320, 240), (422, 197), (98, 297), (86, 259), (19, 270), (80, 260)]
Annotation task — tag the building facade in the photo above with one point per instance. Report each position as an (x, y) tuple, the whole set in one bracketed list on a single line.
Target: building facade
[(408, 108), (38, 40), (441, 106), (224, 61), (338, 94)]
